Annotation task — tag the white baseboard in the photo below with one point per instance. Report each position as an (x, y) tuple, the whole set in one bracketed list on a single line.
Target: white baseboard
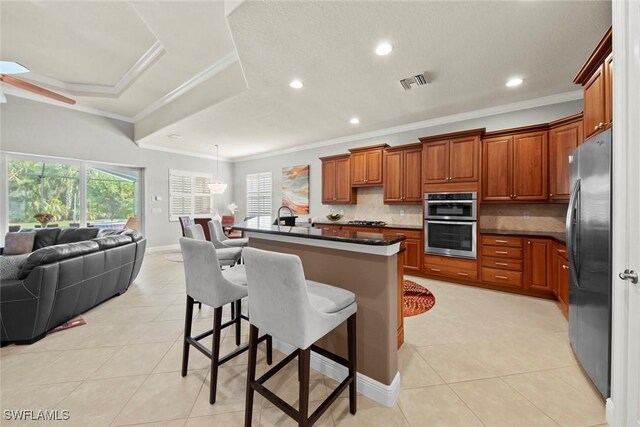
[(163, 248), (609, 413), (384, 394)]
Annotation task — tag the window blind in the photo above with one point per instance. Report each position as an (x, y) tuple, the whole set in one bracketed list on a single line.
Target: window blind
[(259, 190), (189, 194)]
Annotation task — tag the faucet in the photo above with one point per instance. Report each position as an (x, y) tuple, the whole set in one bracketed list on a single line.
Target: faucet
[(290, 212)]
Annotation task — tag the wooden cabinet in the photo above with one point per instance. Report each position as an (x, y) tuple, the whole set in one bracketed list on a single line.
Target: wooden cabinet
[(564, 137), (402, 168), (336, 180), (502, 260), (327, 227), (453, 268), (515, 165), (366, 165), (596, 79), (452, 157), (538, 261), (412, 245), (561, 276)]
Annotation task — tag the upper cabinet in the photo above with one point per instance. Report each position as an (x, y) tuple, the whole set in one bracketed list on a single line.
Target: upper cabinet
[(402, 170), (596, 78), (336, 180), (515, 165), (366, 165), (451, 158), (564, 136)]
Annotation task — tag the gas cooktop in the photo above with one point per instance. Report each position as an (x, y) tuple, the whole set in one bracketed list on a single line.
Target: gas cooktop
[(367, 223)]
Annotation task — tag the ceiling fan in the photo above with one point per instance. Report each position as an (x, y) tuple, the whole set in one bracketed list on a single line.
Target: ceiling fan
[(9, 68)]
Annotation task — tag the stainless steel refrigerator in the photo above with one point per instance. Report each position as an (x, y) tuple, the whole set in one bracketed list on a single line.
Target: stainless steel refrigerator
[(589, 249)]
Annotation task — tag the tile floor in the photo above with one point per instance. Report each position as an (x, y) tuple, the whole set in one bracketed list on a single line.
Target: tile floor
[(479, 357)]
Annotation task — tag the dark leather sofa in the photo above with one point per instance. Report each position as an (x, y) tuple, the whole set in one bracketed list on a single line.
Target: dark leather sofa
[(68, 272)]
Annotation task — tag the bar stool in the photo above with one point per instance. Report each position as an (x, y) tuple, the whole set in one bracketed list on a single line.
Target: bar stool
[(220, 240), (226, 255), (298, 311), (215, 288)]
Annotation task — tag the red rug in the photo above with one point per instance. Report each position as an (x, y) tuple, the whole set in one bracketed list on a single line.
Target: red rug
[(417, 299)]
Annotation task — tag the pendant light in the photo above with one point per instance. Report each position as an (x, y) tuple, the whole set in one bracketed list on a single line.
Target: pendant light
[(217, 187)]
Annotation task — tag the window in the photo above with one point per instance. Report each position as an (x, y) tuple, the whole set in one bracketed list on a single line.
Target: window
[(259, 194), (189, 194), (75, 193)]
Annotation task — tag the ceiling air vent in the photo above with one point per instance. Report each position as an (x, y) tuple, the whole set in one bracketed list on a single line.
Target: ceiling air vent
[(418, 80)]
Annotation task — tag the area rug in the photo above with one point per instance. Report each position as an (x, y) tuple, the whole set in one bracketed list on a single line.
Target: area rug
[(76, 321), (417, 299), (174, 257)]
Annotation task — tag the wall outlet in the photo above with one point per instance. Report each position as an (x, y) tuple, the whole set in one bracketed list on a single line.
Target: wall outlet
[(157, 198), (401, 212), (156, 210), (526, 215)]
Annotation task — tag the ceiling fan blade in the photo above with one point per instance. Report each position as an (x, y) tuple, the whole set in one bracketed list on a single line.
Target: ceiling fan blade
[(35, 89)]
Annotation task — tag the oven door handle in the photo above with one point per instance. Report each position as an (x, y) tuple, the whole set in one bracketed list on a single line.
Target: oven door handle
[(428, 221), (429, 202)]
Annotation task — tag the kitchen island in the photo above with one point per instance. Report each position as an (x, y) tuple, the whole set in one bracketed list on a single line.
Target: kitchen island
[(370, 266)]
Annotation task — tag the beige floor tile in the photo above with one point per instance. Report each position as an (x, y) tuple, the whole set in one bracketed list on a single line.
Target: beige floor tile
[(105, 335), (575, 377), (172, 360), (19, 369), (274, 417), (128, 315), (568, 406), (368, 414), (35, 397), (285, 385), (171, 423), (167, 331), (414, 370), (229, 419), (453, 363), (498, 404), (97, 402), (162, 397), (436, 406), (68, 339), (137, 359)]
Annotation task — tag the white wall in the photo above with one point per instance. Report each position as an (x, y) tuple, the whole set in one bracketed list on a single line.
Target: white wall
[(389, 213), (35, 128)]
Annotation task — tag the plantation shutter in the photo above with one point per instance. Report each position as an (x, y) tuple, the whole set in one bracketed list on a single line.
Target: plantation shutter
[(259, 194), (189, 194)]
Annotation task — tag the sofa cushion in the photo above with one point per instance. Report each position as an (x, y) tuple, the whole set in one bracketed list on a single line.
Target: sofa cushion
[(18, 243), (10, 266), (135, 234), (72, 235), (108, 242), (56, 253), (45, 237)]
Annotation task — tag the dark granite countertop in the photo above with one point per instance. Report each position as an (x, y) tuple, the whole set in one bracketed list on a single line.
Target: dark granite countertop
[(559, 237), (265, 225), (396, 226)]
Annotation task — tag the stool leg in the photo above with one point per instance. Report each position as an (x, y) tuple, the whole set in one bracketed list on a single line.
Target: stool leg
[(233, 310), (251, 374), (269, 350), (351, 338), (188, 319), (215, 353), (238, 320), (304, 360)]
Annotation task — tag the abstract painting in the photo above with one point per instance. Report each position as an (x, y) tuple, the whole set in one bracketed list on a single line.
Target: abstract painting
[(295, 188)]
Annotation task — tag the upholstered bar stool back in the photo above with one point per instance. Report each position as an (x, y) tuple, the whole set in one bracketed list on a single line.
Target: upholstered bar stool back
[(195, 231), (220, 240)]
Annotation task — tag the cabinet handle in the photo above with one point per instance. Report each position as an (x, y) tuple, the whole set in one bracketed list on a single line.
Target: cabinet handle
[(528, 242), (501, 241), (502, 277), (463, 274), (566, 267), (502, 252), (550, 194), (435, 269), (595, 127), (503, 264)]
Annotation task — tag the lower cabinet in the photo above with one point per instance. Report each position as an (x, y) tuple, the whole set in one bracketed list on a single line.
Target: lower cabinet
[(454, 268), (561, 277), (538, 263)]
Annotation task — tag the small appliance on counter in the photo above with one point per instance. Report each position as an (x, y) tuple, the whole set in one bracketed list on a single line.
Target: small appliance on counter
[(450, 224)]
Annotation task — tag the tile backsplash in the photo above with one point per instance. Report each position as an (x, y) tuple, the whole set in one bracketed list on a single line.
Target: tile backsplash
[(524, 217), (371, 207)]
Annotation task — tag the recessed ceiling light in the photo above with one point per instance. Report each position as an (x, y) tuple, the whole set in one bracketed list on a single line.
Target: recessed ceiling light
[(296, 84), (383, 49), (174, 136), (516, 81), (354, 121)]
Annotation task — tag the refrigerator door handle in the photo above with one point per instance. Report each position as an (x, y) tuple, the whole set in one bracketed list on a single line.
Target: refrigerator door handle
[(571, 232)]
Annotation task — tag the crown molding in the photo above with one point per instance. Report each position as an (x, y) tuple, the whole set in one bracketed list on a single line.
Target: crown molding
[(207, 73), (181, 152), (81, 89), (8, 90), (469, 115)]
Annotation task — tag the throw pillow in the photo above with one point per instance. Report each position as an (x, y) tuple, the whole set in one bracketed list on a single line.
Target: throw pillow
[(18, 243), (45, 237), (10, 266)]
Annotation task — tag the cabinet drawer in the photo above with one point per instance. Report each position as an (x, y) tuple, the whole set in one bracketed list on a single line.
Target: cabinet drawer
[(409, 234), (502, 263), (514, 242), (502, 277), (452, 272), (501, 252)]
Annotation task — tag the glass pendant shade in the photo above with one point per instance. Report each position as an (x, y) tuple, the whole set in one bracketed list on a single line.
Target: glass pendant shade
[(217, 187)]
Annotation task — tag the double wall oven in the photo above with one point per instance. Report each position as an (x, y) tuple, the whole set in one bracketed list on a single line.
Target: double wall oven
[(450, 224)]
